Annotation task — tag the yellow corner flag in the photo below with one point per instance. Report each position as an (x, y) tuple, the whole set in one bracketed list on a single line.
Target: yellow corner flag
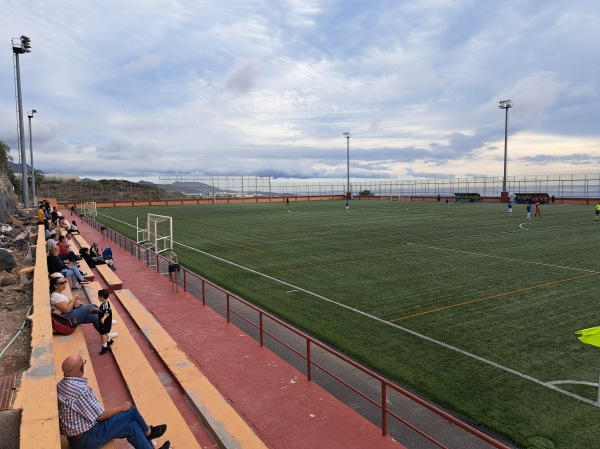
[(590, 336)]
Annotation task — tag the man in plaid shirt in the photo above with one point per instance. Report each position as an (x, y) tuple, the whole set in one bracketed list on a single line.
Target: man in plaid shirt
[(87, 425)]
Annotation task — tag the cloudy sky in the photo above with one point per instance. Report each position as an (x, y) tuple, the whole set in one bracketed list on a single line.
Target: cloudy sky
[(140, 88)]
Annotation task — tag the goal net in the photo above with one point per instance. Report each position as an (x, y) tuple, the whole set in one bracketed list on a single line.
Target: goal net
[(89, 209), (158, 234)]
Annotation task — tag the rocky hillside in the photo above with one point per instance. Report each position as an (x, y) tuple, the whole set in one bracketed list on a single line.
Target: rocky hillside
[(103, 190), (15, 303)]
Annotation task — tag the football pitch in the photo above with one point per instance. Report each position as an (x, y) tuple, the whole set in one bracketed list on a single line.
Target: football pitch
[(472, 308)]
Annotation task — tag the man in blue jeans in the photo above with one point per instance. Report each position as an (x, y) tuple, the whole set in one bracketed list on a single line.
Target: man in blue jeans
[(87, 425)]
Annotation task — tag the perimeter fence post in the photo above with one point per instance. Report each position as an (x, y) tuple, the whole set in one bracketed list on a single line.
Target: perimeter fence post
[(203, 292), (228, 317), (383, 408), (308, 361), (260, 327), (184, 281)]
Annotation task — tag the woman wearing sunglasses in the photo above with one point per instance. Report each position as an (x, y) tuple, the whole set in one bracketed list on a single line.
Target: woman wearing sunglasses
[(66, 306)]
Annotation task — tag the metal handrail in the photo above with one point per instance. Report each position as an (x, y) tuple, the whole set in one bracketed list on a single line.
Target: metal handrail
[(385, 384)]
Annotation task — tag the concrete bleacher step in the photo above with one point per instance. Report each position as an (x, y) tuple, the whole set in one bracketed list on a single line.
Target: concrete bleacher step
[(66, 345), (226, 425), (148, 393), (80, 241), (112, 280), (36, 396), (83, 266)]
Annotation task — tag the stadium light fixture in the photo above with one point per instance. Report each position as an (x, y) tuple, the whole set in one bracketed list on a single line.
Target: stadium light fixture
[(347, 134), (33, 194), (506, 105), (20, 46)]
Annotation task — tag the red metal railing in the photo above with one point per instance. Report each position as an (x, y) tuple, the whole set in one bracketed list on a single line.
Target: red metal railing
[(197, 285)]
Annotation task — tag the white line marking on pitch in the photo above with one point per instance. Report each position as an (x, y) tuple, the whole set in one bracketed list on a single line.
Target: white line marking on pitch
[(396, 326), (521, 226), (437, 248), (551, 384)]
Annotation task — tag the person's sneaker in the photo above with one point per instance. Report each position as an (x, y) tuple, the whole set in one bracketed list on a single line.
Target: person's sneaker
[(113, 334), (85, 281), (114, 322), (166, 445), (157, 431), (110, 342), (104, 350), (84, 273)]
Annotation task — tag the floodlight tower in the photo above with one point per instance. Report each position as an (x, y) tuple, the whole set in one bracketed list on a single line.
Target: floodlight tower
[(20, 46), (33, 194), (506, 105), (347, 134)]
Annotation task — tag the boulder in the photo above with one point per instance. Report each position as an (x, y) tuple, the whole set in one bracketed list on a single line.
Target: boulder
[(7, 261)]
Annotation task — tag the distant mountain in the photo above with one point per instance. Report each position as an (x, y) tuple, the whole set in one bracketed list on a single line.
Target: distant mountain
[(16, 168), (189, 188)]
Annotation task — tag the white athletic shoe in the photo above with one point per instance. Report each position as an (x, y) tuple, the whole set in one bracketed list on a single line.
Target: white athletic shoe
[(114, 322), (113, 334)]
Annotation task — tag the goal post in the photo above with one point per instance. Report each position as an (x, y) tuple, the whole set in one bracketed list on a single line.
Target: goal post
[(88, 209), (159, 232)]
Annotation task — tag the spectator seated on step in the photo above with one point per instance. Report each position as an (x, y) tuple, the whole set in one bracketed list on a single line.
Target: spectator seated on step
[(56, 265), (41, 215), (95, 252), (64, 223), (86, 423), (54, 216), (65, 252), (91, 261), (52, 241), (73, 229)]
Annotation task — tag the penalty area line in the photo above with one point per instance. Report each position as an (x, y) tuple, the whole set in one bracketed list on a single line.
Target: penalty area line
[(394, 325)]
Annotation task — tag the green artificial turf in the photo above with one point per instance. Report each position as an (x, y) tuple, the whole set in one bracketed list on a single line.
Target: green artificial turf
[(504, 289)]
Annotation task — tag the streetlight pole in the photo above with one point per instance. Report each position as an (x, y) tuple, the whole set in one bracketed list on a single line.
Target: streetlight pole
[(21, 45), (33, 194), (506, 105), (347, 134)]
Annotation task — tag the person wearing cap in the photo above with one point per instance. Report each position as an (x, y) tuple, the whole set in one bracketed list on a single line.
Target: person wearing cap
[(87, 425)]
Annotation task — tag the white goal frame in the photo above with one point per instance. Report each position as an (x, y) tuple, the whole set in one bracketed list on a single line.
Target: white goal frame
[(88, 209), (158, 232)]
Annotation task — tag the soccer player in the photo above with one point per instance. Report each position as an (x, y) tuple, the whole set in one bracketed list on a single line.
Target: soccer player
[(528, 211), (537, 210), (598, 211), (510, 208)]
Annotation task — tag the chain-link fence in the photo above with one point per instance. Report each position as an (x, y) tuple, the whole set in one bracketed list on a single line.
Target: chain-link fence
[(243, 187)]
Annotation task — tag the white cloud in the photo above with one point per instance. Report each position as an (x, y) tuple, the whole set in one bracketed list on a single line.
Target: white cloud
[(145, 87)]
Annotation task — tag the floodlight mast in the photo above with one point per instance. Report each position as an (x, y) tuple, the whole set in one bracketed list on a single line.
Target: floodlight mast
[(20, 46), (506, 105), (33, 194), (347, 134)]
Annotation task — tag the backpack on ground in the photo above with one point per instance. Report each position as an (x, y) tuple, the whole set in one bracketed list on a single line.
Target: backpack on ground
[(61, 324)]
